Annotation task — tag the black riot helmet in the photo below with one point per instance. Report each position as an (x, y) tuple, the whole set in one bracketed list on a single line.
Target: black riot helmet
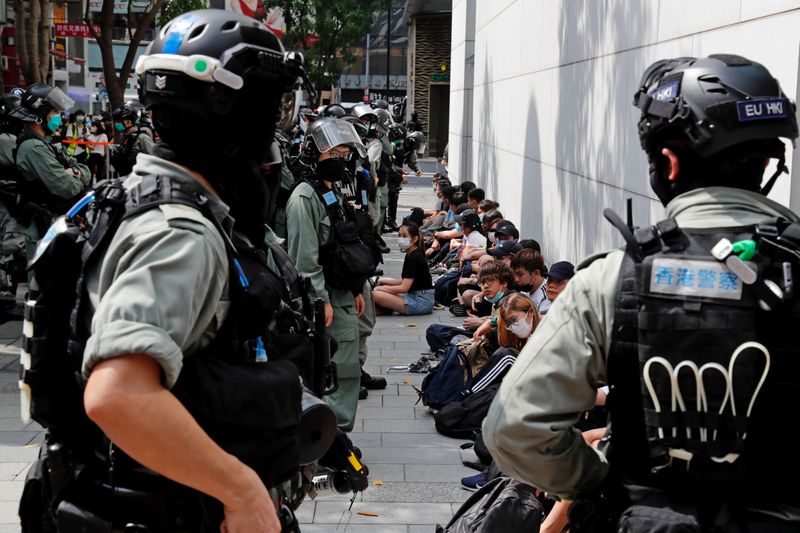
[(364, 112), (397, 132), (384, 118), (380, 104), (39, 100), (214, 80), (329, 132), (334, 110), (125, 112), (9, 124), (711, 105), (416, 141), (361, 129)]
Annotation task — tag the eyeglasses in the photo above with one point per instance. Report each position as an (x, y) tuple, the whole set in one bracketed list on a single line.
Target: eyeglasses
[(347, 156), (487, 281)]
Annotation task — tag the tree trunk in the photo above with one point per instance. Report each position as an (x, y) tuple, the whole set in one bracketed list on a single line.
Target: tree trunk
[(43, 67), (127, 64), (23, 34)]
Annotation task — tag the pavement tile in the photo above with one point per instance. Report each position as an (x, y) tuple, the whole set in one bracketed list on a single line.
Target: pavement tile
[(373, 400), (419, 440), (383, 471), (351, 528), (370, 440), (407, 390), (400, 401), (10, 491), (394, 413), (388, 513), (413, 456), (451, 473), (404, 492), (398, 426), (10, 471), (390, 390)]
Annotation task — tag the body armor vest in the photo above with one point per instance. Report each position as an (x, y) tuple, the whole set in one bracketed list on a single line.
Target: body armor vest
[(124, 158), (251, 409), (705, 361), (35, 202)]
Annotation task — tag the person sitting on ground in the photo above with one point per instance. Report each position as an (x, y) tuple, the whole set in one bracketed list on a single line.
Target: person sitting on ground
[(469, 288), (529, 277), (558, 276), (441, 239), (495, 280), (475, 197), (413, 293), (466, 186), (486, 205), (471, 227)]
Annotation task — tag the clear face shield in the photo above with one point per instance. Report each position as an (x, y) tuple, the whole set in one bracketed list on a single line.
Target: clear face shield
[(334, 133), (59, 100)]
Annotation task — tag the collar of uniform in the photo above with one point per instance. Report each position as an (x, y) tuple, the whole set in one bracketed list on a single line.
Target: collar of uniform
[(149, 165), (724, 207)]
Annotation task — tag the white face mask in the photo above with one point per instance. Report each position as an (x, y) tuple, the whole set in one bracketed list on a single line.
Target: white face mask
[(492, 238), (404, 243), (521, 328)]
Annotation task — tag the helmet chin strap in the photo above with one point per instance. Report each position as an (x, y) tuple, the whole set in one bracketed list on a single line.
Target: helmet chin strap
[(780, 170)]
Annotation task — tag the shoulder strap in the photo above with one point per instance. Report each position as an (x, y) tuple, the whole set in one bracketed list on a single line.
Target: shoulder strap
[(329, 200)]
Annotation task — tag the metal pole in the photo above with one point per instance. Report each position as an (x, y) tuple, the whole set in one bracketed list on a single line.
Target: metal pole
[(388, 49), (366, 69)]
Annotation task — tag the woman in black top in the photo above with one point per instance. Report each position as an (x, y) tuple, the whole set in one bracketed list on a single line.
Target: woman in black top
[(413, 294)]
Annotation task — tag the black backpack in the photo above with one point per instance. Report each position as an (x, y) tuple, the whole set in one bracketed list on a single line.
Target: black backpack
[(461, 419), (503, 505), (350, 256)]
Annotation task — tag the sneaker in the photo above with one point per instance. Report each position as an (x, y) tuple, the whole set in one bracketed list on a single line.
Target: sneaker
[(473, 483), (421, 366), (458, 310), (363, 393)]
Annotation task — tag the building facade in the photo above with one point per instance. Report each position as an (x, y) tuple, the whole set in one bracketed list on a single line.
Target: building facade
[(429, 67), (541, 102)]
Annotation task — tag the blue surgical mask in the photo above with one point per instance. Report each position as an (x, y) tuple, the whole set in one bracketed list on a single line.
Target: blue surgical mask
[(54, 122), (119, 127), (480, 216), (497, 297), (458, 228)]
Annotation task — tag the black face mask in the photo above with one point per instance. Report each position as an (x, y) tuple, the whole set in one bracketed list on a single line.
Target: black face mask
[(528, 287), (331, 169)]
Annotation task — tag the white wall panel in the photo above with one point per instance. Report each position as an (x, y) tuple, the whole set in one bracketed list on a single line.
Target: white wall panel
[(553, 133)]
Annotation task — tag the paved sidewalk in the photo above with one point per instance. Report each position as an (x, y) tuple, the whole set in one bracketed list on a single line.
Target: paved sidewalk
[(415, 472)]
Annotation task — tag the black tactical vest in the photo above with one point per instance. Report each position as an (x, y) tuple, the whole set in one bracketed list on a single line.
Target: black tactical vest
[(124, 157), (251, 409), (705, 362)]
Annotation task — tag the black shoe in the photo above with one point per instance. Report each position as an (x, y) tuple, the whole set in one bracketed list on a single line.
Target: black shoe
[(363, 393), (392, 225), (372, 383), (384, 249), (387, 229)]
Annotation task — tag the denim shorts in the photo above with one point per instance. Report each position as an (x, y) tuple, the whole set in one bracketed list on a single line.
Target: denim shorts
[(419, 302)]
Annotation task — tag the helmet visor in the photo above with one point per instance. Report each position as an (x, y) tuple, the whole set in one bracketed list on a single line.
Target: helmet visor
[(365, 112), (59, 100), (334, 133)]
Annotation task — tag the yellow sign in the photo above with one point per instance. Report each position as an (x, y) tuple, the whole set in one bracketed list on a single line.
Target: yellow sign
[(444, 67)]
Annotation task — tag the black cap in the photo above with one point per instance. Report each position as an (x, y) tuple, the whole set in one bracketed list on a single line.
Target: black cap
[(531, 244), (506, 227), (496, 251), (468, 218), (561, 271)]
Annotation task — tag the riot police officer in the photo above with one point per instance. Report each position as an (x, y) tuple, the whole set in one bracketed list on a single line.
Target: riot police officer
[(406, 147), (51, 178), (135, 140), (693, 326), (320, 230), (12, 238), (181, 286)]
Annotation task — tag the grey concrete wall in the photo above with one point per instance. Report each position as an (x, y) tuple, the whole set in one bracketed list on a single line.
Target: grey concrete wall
[(552, 132)]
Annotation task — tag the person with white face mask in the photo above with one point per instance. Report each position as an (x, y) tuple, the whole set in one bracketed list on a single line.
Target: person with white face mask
[(413, 293)]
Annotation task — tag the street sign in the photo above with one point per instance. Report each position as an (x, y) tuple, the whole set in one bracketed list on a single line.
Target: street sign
[(74, 30)]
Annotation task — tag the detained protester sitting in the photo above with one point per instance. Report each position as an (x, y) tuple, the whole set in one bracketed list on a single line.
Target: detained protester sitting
[(557, 278), (470, 224), (413, 294), (495, 280), (529, 277)]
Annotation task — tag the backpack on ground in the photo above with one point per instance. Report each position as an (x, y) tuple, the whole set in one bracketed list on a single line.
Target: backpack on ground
[(462, 418), (501, 506), (447, 380)]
